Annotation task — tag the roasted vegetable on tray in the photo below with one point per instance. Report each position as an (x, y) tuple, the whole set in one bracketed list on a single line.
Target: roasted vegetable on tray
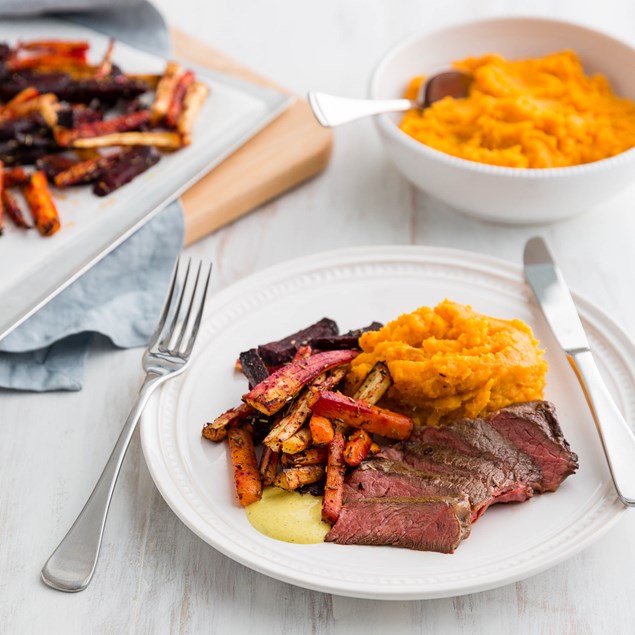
[(81, 123), (296, 425)]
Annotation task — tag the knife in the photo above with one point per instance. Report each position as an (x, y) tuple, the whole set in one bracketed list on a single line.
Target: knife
[(557, 306)]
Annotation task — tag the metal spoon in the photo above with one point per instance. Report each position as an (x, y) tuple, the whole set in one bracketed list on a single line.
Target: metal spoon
[(331, 110)]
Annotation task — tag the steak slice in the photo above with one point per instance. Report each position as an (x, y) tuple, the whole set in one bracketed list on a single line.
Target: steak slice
[(433, 523), (381, 478), (429, 457), (533, 428), (403, 473), (477, 437)]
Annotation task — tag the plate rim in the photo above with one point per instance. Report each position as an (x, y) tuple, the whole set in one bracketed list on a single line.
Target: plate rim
[(373, 254)]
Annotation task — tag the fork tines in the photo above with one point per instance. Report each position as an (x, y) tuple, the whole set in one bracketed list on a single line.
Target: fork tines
[(183, 310)]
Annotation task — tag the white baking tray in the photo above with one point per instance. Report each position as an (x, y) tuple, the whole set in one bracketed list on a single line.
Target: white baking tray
[(34, 269)]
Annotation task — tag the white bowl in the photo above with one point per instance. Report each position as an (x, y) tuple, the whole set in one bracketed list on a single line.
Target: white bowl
[(508, 195)]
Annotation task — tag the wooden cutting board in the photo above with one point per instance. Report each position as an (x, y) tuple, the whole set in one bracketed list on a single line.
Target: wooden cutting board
[(266, 166)]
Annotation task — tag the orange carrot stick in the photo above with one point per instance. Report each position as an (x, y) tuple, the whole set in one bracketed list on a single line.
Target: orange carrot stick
[(243, 458), (13, 210), (335, 470), (321, 429), (1, 203), (357, 447), (40, 201)]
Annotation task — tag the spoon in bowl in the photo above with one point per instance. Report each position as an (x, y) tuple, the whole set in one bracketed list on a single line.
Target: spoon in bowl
[(331, 110)]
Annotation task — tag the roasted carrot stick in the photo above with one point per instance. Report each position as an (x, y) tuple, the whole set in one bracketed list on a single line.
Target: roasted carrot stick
[(357, 447), (50, 60), (243, 458), (123, 123), (1, 203), (81, 172), (335, 470), (13, 210), (15, 176), (46, 105), (178, 96), (25, 95), (321, 429), (55, 46), (40, 201), (359, 414)]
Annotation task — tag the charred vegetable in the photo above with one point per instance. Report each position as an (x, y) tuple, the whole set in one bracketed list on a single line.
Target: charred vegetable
[(125, 168), (273, 393), (360, 414), (40, 201)]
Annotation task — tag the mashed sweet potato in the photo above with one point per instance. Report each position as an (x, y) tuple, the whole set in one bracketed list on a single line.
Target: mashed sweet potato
[(534, 113), (451, 362)]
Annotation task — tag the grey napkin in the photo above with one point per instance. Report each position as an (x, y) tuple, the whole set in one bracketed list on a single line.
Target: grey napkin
[(120, 297)]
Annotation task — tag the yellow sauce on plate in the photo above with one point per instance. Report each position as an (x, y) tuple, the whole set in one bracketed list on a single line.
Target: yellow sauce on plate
[(288, 516)]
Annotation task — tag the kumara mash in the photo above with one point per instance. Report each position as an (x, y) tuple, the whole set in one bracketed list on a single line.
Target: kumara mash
[(534, 113), (451, 362)]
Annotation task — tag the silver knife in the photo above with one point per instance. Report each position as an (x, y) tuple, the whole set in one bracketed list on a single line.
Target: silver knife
[(557, 306)]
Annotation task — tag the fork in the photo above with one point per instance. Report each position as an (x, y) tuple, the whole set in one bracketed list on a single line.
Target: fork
[(72, 565)]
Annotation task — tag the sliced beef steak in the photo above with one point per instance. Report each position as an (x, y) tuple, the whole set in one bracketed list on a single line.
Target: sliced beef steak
[(379, 476), (477, 437), (434, 523), (443, 460), (482, 481), (533, 428), (421, 493)]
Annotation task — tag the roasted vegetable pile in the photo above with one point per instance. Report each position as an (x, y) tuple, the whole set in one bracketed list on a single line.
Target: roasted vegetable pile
[(80, 123), (309, 431)]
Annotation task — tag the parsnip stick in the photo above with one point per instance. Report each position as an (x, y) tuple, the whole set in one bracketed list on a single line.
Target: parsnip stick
[(217, 430), (269, 466), (295, 477), (300, 411), (301, 440), (168, 140), (195, 97), (310, 456), (165, 89), (178, 98)]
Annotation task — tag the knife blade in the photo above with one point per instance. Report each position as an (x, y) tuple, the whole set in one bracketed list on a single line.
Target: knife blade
[(558, 307)]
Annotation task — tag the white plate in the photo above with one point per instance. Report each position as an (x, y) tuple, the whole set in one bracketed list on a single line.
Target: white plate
[(35, 268), (355, 287)]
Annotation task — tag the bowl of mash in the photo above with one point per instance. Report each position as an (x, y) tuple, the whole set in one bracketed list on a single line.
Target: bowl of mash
[(546, 132)]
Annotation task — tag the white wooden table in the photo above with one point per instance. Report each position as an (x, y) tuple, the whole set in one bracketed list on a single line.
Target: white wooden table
[(154, 575)]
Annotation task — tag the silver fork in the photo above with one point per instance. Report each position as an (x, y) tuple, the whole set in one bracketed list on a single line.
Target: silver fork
[(71, 566)]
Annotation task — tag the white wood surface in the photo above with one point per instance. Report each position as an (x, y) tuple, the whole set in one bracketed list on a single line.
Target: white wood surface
[(154, 575)]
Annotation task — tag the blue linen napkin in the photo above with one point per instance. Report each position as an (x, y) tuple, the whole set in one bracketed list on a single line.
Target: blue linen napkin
[(121, 296)]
